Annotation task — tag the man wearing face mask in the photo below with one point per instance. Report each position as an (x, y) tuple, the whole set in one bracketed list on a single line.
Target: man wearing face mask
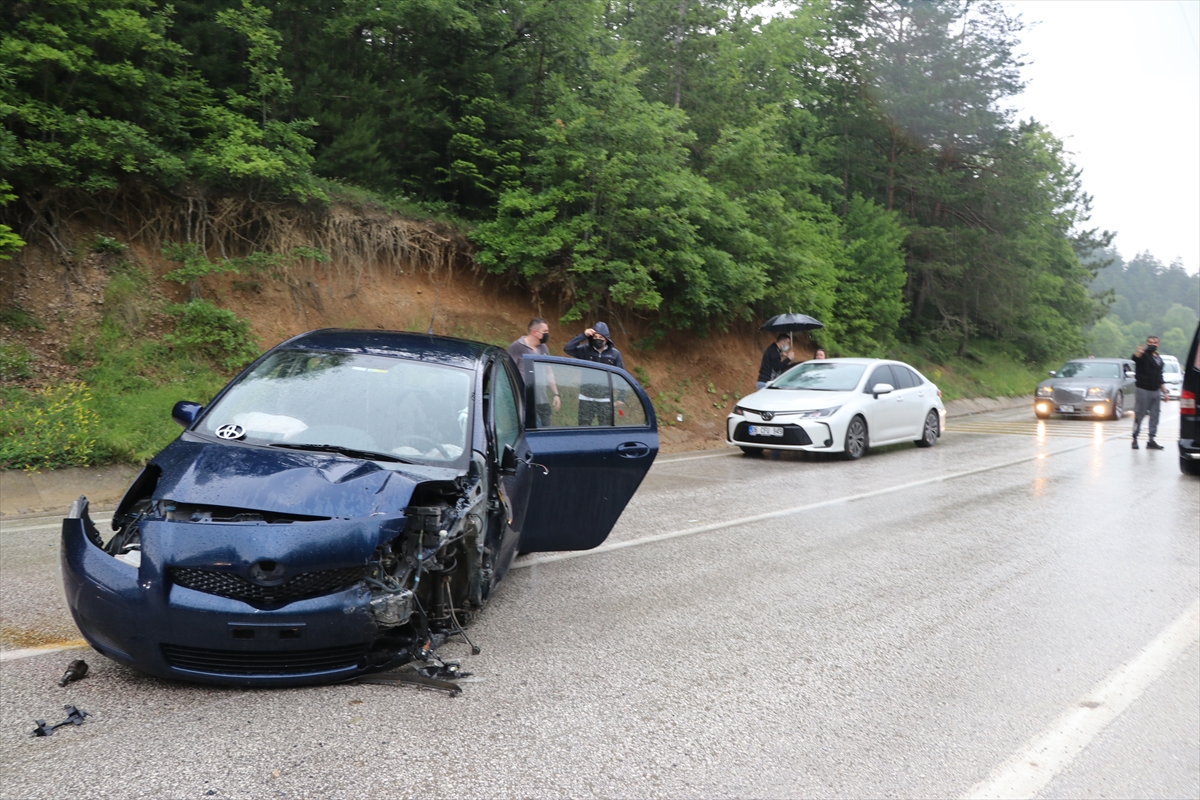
[(594, 344), (775, 361), (1151, 389), (533, 343)]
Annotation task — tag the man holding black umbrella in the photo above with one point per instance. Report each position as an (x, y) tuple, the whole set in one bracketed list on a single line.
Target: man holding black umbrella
[(776, 359), (778, 356)]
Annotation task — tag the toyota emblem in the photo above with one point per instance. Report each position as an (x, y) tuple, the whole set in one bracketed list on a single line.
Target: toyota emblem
[(766, 415), (231, 432)]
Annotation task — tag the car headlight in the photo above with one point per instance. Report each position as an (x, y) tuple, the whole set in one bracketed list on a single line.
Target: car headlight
[(821, 414), (1045, 391), (739, 410), (1096, 393)]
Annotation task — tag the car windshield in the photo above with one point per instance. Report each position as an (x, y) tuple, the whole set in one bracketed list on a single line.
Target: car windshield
[(821, 376), (1170, 368), (1089, 369), (405, 410)]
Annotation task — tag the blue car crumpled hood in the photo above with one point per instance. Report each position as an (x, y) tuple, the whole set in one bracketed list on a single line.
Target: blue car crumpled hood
[(284, 481)]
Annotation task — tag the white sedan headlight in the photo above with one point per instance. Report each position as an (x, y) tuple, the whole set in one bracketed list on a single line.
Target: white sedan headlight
[(1045, 391), (821, 414), (1096, 393)]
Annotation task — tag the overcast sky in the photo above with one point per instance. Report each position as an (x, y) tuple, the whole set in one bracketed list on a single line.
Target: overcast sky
[(1119, 81)]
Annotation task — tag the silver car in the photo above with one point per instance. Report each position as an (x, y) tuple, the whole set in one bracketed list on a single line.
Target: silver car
[(1172, 377), (1087, 387)]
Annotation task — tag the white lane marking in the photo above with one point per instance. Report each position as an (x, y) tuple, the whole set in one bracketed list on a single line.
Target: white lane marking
[(30, 652), (1028, 772), (58, 524), (785, 512), (673, 460)]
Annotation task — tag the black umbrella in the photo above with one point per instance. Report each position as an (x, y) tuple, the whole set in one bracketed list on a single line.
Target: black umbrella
[(791, 323)]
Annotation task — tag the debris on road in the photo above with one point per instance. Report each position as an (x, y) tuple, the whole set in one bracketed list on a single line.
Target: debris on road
[(76, 671), (74, 717)]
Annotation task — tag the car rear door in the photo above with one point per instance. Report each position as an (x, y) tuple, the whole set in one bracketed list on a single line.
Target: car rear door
[(911, 401), (588, 456), (885, 416)]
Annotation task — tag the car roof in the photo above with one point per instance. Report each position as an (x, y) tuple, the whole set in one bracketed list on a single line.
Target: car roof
[(861, 361), (400, 344), (1098, 360)]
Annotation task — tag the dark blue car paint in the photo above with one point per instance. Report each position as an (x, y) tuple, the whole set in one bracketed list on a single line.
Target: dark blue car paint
[(326, 511)]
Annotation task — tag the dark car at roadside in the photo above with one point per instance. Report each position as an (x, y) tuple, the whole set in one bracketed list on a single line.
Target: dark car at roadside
[(346, 504), (1189, 424), (1096, 388)]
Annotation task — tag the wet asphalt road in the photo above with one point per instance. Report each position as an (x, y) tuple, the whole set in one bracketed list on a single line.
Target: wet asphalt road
[(898, 626)]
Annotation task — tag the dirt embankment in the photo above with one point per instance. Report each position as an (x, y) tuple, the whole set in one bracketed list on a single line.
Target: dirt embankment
[(693, 379)]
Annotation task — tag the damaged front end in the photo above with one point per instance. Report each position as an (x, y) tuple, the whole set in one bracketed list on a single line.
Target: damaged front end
[(382, 568)]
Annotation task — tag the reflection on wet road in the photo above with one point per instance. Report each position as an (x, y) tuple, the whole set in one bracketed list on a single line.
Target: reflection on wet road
[(904, 625)]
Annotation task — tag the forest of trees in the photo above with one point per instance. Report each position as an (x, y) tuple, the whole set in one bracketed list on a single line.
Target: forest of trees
[(684, 161), (1148, 298)]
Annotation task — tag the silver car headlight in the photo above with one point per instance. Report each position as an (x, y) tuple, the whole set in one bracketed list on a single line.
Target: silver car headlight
[(821, 414), (1097, 393), (1045, 391)]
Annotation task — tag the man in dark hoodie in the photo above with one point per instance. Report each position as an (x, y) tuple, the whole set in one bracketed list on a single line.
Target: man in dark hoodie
[(595, 402)]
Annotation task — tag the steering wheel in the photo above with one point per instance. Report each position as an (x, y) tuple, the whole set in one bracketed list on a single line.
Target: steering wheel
[(418, 439)]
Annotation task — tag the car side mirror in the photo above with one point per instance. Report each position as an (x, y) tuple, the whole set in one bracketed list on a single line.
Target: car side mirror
[(1053, 373), (185, 412), (1129, 374), (881, 388), (508, 461)]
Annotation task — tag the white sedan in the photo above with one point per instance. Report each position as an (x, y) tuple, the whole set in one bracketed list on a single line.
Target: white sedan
[(839, 405)]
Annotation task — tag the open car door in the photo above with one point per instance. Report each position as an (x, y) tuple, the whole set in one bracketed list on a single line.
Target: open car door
[(587, 456)]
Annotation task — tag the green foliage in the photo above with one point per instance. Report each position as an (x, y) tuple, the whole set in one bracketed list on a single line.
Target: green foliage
[(19, 319), (1147, 297), (989, 369), (690, 164), (136, 381), (96, 92), (9, 241), (196, 265), (206, 330), (16, 361), (49, 428), (107, 244)]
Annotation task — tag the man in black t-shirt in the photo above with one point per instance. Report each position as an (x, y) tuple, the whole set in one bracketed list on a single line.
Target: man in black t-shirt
[(546, 399), (1151, 389)]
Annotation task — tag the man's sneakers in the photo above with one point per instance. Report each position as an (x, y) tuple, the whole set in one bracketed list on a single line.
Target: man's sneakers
[(1135, 444), (1153, 445)]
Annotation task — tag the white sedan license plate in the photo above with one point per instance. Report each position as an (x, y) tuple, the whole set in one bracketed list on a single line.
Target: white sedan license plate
[(1066, 409), (766, 430)]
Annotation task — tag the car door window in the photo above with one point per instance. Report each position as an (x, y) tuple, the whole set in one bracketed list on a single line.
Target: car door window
[(585, 394), (628, 406), (904, 378), (506, 417), (881, 374)]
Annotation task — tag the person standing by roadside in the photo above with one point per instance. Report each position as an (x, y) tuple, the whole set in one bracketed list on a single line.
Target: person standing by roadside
[(776, 359), (594, 344), (533, 343), (1151, 390)]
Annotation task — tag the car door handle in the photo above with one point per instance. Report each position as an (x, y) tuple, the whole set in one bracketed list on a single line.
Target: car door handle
[(633, 449)]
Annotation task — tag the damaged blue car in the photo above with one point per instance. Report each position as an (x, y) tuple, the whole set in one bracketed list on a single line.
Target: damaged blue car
[(348, 502)]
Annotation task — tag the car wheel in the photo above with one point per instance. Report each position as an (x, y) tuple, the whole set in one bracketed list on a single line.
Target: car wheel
[(1188, 466), (931, 431), (856, 438), (752, 451), (1118, 406)]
